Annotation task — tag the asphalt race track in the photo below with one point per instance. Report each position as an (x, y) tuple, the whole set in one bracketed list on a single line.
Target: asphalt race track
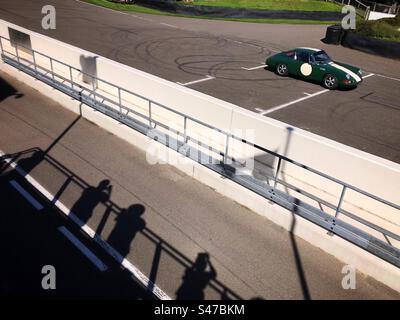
[(224, 59)]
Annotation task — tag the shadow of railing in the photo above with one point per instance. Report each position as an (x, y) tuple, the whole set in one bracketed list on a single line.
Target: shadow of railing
[(30, 158)]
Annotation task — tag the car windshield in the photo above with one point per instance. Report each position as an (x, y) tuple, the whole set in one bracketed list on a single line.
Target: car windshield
[(322, 58)]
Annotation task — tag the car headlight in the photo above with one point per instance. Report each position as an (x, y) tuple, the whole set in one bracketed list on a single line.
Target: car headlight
[(360, 72), (348, 76)]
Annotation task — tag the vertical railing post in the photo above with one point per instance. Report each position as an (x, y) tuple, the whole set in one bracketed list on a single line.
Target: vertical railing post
[(155, 266), (70, 77), (226, 149), (34, 61), (340, 201), (1, 45), (367, 13), (119, 100), (94, 88), (16, 50), (52, 68), (185, 130), (278, 168), (150, 122)]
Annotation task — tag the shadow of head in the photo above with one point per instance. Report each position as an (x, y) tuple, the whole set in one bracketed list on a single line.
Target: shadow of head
[(132, 214), (202, 261), (31, 162), (7, 90), (104, 184)]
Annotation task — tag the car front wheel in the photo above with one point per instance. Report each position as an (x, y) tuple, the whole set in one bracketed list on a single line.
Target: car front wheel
[(330, 82), (282, 69)]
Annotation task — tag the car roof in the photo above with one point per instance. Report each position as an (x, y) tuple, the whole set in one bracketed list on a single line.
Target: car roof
[(308, 50)]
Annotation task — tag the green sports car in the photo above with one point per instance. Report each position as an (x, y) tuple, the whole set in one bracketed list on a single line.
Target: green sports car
[(315, 65)]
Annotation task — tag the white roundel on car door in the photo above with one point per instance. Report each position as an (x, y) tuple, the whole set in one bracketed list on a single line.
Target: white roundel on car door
[(306, 69)]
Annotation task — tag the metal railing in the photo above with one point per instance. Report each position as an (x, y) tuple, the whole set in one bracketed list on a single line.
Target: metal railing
[(384, 8), (357, 4), (179, 140), (367, 6)]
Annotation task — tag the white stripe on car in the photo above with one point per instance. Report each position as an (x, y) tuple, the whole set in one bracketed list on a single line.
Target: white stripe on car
[(349, 72), (312, 49)]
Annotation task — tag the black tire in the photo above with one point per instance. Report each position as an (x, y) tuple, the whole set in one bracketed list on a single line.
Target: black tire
[(330, 82), (282, 69)]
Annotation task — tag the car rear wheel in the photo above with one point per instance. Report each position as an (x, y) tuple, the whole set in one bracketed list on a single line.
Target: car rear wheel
[(330, 82), (282, 69)]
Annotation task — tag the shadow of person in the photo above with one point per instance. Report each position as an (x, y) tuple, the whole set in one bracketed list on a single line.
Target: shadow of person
[(7, 90), (129, 222), (29, 163), (196, 279), (90, 198)]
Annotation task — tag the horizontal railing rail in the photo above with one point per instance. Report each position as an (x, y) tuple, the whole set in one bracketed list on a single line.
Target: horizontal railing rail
[(93, 97)]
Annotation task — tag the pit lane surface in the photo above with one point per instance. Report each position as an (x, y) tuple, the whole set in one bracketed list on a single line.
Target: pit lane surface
[(224, 59)]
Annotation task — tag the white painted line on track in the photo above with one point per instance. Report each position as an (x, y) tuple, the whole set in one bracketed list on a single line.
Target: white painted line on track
[(307, 94), (282, 106), (369, 75), (386, 77), (145, 19), (115, 11), (82, 248), (26, 195), (169, 25), (196, 81), (254, 68), (90, 232), (259, 109)]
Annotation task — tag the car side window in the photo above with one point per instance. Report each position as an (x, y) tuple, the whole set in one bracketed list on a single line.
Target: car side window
[(303, 56), (291, 54)]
